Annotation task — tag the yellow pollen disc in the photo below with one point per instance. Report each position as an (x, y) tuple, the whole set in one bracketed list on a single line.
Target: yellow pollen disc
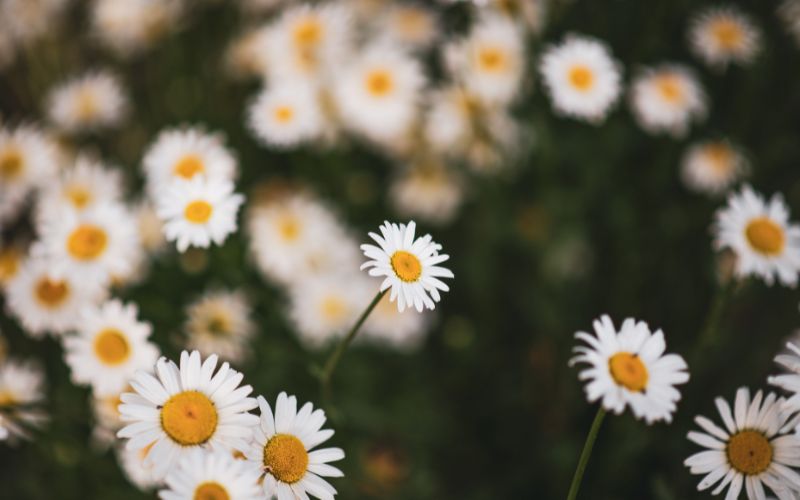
[(10, 163), (749, 452), (189, 418), (7, 398), (283, 114), (286, 458), (51, 293), (581, 78), (333, 308), (379, 83), (720, 156), (79, 196), (211, 491), (87, 242), (289, 228), (188, 166), (728, 33), (219, 324), (9, 264), (308, 32), (198, 212), (628, 371), (765, 236), (111, 346), (492, 59), (86, 105), (411, 21), (406, 266), (670, 88)]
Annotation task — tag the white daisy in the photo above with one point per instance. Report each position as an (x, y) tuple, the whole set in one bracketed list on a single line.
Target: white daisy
[(411, 25), (756, 448), (198, 212), (110, 346), (712, 166), (286, 114), (400, 330), (87, 103), (21, 391), (629, 368), (410, 265), (760, 234), (186, 408), (245, 55), (31, 19), (151, 230), (130, 26), (429, 191), (790, 381), (722, 35), (582, 78), (667, 98), (282, 450), (211, 476), (136, 470), (219, 322)]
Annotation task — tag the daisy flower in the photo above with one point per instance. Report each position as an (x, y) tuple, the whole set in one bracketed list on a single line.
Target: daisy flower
[(185, 408), (136, 470), (712, 166), (111, 345), (756, 448), (245, 56), (410, 265), (399, 330), (428, 191), (219, 322), (667, 98), (130, 26), (410, 25), (31, 20), (629, 368), (285, 115), (21, 389), (282, 450), (11, 257), (217, 476), (151, 229), (790, 381), (86, 103), (722, 35), (198, 212), (582, 78), (760, 234)]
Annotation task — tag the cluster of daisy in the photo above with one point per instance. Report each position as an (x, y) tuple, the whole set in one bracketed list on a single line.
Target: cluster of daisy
[(21, 397)]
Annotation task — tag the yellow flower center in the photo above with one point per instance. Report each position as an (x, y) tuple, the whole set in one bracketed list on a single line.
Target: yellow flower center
[(188, 166), (670, 88), (406, 266), (492, 59), (749, 452), (728, 33), (7, 398), (211, 491), (380, 83), (284, 114), (308, 32), (9, 264), (10, 164), (189, 418), (111, 347), (87, 242), (286, 458), (765, 236), (79, 196), (289, 228), (51, 293), (219, 324), (628, 371), (333, 308), (85, 105), (581, 77), (720, 157), (198, 212)]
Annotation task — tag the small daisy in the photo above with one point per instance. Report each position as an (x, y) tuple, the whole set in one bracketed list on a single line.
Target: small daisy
[(219, 322), (211, 476), (186, 408), (286, 115), (410, 25), (28, 158), (106, 411), (21, 390), (409, 264), (668, 99), (130, 26), (151, 229), (110, 347), (87, 103), (756, 448), (281, 449), (451, 113), (428, 191), (581, 77), (31, 19), (721, 35), (198, 212), (245, 56), (629, 368), (759, 232), (713, 166), (136, 470), (400, 330)]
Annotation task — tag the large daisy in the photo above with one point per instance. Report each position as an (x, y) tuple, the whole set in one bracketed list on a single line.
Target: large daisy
[(629, 368), (282, 450), (202, 475), (184, 408)]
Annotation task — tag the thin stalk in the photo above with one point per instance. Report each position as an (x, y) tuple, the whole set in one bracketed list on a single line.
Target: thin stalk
[(585, 454)]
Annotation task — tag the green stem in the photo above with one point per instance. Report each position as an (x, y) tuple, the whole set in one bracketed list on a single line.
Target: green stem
[(585, 454), (708, 335)]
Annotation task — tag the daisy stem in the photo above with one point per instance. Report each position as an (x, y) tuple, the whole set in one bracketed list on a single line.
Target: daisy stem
[(585, 454)]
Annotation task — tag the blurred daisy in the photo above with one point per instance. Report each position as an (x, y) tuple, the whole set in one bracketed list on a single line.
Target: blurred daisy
[(285, 115), (721, 35), (151, 230), (400, 330), (529, 14), (183, 153), (760, 234), (212, 476), (32, 19), (409, 264), (581, 77), (407, 24), (106, 411), (789, 12), (756, 448), (629, 368), (428, 191), (186, 408), (245, 56), (282, 450), (27, 159), (89, 102), (110, 346), (129, 26), (198, 212), (667, 99), (10, 261), (712, 166), (219, 322), (21, 391), (136, 470)]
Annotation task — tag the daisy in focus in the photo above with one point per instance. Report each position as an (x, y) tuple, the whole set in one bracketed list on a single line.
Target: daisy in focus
[(629, 368), (87, 103), (21, 390), (581, 77), (712, 167), (667, 99), (409, 264), (282, 450), (185, 408), (723, 35), (219, 322), (766, 244), (755, 448), (211, 476), (198, 212)]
